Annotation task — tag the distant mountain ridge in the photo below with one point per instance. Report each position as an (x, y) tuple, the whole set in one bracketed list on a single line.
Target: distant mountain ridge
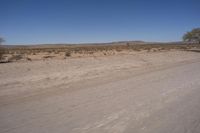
[(78, 44)]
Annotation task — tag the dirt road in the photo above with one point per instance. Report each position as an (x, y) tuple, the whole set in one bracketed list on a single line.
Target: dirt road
[(157, 98)]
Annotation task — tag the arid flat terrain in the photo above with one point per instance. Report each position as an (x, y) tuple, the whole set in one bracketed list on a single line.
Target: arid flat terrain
[(129, 92)]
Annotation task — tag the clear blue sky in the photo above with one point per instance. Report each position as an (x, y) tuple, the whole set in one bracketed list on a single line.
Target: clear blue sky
[(79, 21)]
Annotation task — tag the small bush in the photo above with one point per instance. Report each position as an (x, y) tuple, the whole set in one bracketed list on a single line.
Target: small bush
[(56, 52), (46, 57), (2, 52), (29, 59), (67, 53), (1, 55), (15, 57)]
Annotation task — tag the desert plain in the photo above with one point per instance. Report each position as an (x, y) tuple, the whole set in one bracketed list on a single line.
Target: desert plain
[(126, 91)]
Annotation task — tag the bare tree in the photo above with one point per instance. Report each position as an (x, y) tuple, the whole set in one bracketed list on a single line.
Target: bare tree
[(1, 48), (1, 40), (192, 36)]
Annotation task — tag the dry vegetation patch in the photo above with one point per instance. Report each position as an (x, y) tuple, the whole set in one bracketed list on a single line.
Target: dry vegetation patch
[(40, 53)]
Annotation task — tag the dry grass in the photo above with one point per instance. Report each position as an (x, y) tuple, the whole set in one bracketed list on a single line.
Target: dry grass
[(31, 53)]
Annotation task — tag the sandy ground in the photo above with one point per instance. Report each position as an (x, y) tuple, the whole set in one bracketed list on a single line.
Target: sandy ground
[(140, 92)]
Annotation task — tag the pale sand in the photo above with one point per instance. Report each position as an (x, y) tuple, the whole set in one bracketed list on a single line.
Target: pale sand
[(26, 86)]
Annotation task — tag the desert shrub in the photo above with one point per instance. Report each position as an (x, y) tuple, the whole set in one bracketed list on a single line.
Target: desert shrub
[(118, 50), (56, 51), (127, 44), (67, 53), (46, 57), (29, 59), (90, 52), (2, 52), (49, 51), (16, 57)]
